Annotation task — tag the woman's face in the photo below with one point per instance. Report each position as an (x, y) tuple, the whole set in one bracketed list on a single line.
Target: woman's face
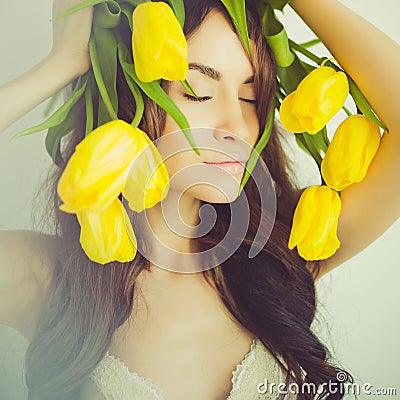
[(224, 122)]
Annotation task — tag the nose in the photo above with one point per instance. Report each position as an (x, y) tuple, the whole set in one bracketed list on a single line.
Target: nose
[(232, 125)]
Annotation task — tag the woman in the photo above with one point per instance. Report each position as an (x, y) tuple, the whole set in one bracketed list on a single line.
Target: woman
[(74, 315)]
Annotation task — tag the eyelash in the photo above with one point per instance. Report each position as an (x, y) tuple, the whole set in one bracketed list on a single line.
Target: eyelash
[(205, 98)]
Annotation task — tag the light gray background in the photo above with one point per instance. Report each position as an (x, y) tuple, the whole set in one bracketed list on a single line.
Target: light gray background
[(358, 301)]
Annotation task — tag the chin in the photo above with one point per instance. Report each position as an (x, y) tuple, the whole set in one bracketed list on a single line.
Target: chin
[(215, 194)]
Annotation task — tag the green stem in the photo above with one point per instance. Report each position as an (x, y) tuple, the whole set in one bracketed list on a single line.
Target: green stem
[(310, 43), (315, 154), (325, 137), (138, 100), (305, 52), (347, 111)]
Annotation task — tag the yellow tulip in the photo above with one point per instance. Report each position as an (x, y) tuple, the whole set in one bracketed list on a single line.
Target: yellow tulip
[(319, 96), (107, 236), (159, 45), (96, 172), (315, 220), (148, 180), (350, 153)]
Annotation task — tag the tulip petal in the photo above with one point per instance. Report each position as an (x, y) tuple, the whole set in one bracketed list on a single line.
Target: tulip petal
[(302, 216), (350, 153), (159, 45), (143, 69), (96, 172), (149, 18), (320, 95), (148, 180), (108, 236), (289, 120), (315, 223), (175, 64)]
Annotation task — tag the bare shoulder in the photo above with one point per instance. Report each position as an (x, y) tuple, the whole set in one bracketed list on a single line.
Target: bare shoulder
[(27, 260)]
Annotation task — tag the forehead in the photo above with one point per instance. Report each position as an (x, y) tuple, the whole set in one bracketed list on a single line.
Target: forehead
[(217, 45)]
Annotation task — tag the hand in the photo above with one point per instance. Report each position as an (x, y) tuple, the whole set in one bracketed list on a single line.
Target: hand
[(71, 35)]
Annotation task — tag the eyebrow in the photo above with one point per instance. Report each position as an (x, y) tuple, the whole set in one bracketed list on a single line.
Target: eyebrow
[(213, 73)]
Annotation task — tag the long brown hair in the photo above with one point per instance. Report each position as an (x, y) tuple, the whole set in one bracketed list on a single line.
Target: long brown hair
[(272, 295)]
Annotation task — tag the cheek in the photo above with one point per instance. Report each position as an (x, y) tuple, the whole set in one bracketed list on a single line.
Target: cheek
[(253, 126), (178, 164), (256, 128), (176, 151)]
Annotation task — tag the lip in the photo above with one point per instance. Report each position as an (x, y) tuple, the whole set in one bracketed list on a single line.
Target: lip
[(228, 160), (232, 167)]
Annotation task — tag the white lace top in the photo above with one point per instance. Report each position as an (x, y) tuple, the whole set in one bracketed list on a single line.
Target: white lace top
[(111, 380)]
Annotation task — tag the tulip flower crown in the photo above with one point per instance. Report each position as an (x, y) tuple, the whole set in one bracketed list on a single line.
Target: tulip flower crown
[(310, 91)]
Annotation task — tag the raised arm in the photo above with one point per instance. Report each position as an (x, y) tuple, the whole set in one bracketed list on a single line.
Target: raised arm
[(27, 258), (366, 53), (68, 59), (373, 61)]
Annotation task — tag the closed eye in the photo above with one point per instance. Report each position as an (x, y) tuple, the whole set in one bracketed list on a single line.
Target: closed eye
[(192, 98), (205, 98), (250, 101)]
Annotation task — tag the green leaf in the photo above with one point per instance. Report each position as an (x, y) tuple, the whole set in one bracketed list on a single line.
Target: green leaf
[(306, 143), (186, 85), (102, 113), (259, 147), (291, 76), (127, 10), (278, 4), (302, 143), (60, 115), (157, 94), (51, 103), (135, 3), (237, 12), (55, 133), (77, 7), (271, 24), (319, 141), (325, 137), (103, 43), (89, 106), (107, 15), (312, 148), (138, 99), (106, 46), (307, 67), (277, 38), (363, 105), (179, 10)]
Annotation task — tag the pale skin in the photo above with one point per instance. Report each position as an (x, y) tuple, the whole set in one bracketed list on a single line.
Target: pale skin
[(22, 284)]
